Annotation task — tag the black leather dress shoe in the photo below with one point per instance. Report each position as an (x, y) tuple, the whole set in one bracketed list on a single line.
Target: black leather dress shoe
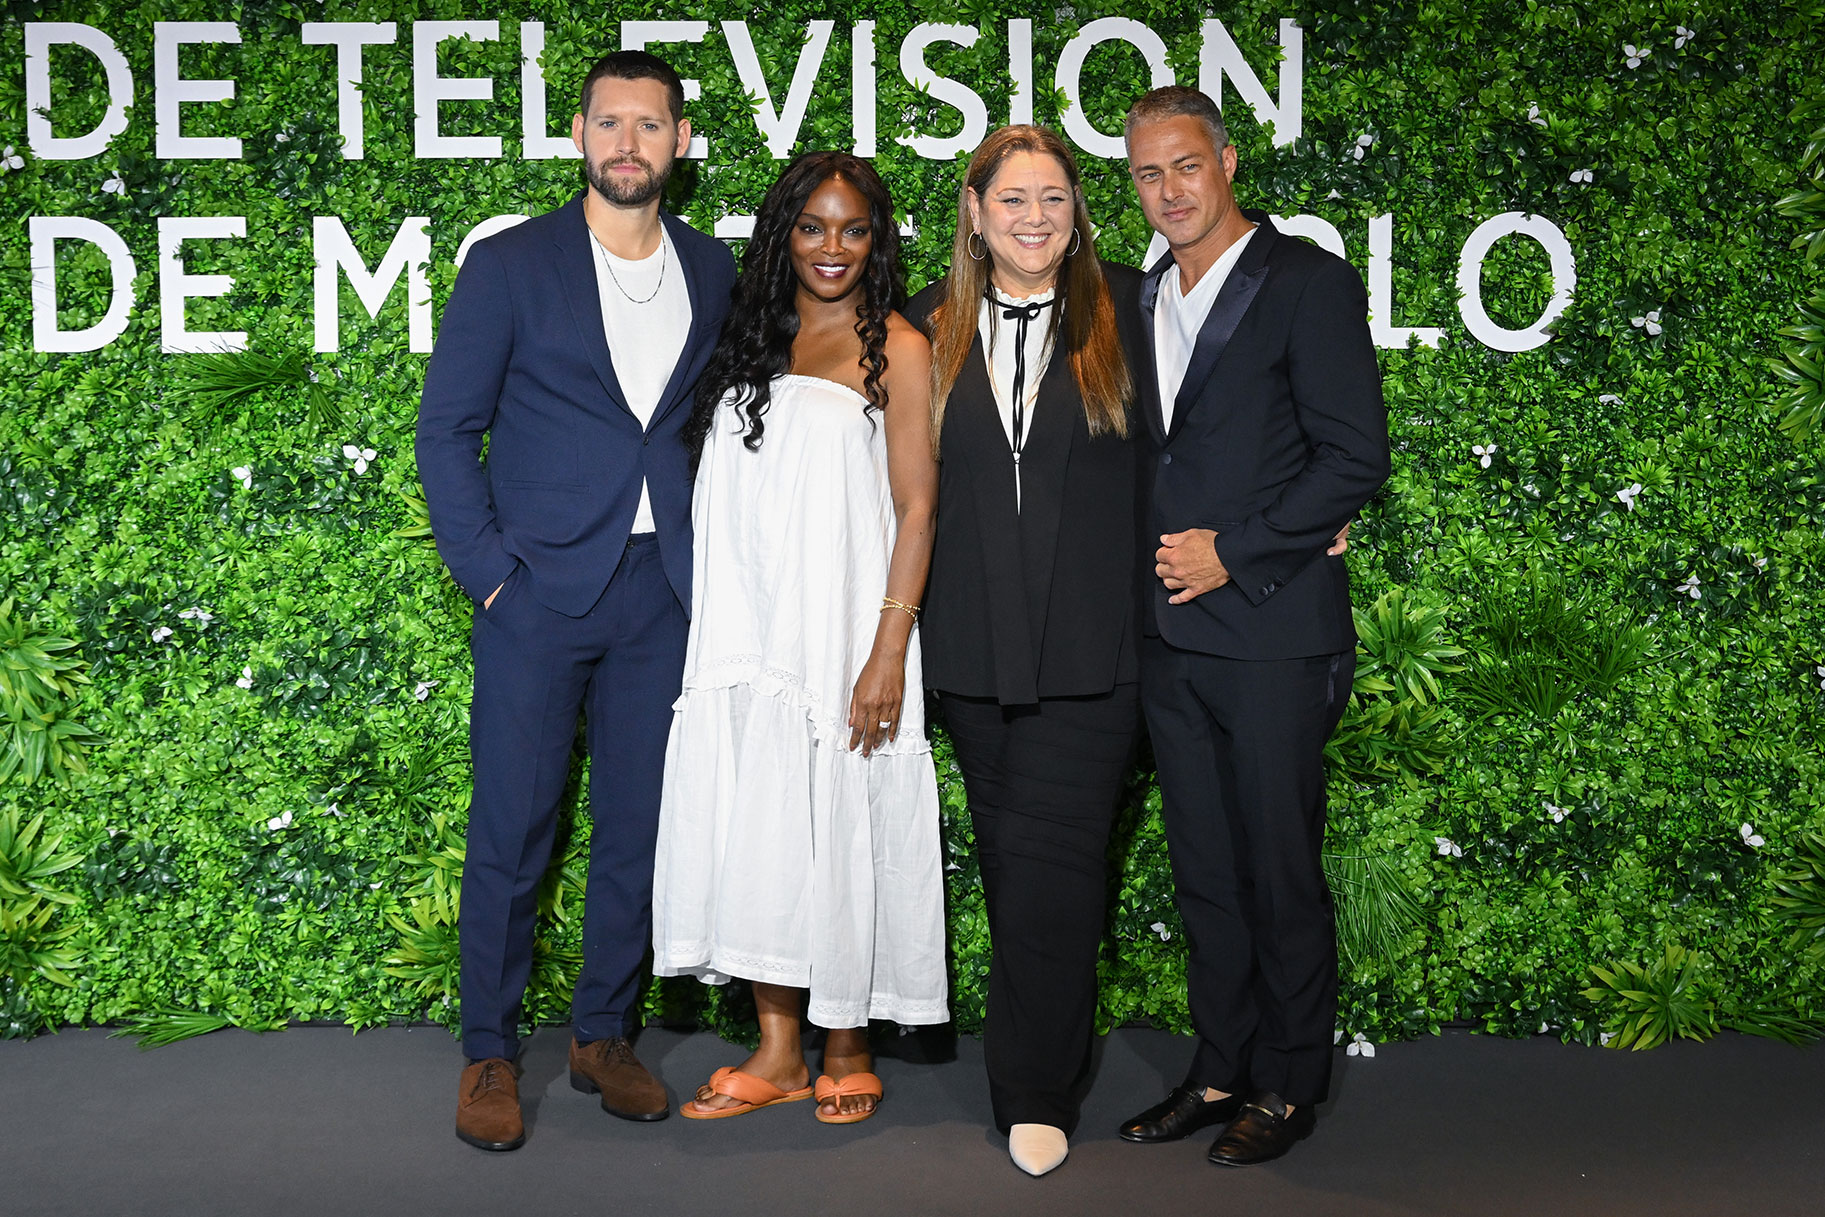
[(1184, 1112), (1263, 1131)]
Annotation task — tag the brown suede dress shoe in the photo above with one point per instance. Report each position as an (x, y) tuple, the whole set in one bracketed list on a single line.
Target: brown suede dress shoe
[(488, 1105), (610, 1068)]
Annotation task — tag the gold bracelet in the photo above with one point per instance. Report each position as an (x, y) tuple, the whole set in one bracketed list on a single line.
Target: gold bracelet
[(911, 610)]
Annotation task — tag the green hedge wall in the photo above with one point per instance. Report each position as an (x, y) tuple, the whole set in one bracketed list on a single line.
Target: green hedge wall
[(1576, 785)]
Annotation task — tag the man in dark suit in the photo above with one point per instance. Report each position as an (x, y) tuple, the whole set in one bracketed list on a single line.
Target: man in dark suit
[(573, 343), (1264, 434)]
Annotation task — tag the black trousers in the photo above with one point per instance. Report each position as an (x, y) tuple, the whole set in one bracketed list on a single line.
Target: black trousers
[(1240, 749), (1043, 781), (620, 666)]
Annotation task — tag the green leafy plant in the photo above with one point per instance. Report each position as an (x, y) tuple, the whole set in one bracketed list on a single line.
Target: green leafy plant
[(38, 677), (220, 380), (1645, 1006), (1801, 898), (418, 518), (28, 943), (165, 1025), (1376, 906), (1545, 646), (1403, 648), (29, 856)]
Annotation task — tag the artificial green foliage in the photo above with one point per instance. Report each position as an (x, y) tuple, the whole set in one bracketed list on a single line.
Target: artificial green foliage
[(1665, 999), (1802, 894), (1591, 598), (39, 679)]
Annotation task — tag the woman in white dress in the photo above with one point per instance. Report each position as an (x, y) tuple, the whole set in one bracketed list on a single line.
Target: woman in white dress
[(798, 838)]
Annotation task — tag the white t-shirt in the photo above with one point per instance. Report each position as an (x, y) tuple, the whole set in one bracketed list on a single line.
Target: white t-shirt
[(646, 316), (1177, 318), (998, 334)]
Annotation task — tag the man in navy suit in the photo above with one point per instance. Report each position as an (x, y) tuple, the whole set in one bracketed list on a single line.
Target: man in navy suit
[(572, 344), (1264, 433)]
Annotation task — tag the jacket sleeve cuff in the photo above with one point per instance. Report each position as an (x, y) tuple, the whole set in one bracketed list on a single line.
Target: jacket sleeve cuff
[(1255, 584), (482, 578)]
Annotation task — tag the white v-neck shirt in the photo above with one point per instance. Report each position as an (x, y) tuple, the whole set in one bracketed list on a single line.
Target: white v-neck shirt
[(1178, 316), (644, 339)]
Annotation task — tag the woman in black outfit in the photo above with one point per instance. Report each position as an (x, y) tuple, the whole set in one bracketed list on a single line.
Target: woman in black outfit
[(1029, 623)]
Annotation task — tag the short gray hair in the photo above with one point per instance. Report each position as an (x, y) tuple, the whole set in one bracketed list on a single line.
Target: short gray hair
[(1171, 101)]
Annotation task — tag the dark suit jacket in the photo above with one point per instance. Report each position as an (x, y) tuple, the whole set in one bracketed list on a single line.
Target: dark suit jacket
[(1035, 602), (521, 358), (1278, 438)]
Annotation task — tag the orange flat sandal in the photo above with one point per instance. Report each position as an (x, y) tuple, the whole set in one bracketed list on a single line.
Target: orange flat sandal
[(856, 1083), (749, 1092)]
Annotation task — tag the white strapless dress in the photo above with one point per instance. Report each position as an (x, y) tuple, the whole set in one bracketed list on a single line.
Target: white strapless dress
[(783, 856)]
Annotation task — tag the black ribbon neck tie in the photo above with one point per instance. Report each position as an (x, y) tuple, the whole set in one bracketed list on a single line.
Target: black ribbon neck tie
[(1022, 315)]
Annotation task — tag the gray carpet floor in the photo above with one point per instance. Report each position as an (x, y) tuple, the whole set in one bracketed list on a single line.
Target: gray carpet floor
[(314, 1121)]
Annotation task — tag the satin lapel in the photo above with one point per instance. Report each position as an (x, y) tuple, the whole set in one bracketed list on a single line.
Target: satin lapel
[(1057, 421), (1148, 386), (576, 266), (700, 325), (1226, 313), (978, 431)]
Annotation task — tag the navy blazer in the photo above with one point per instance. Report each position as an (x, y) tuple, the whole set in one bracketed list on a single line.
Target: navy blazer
[(521, 359), (1279, 436)]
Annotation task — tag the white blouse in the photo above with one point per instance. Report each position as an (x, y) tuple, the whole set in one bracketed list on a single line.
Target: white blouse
[(1012, 355)]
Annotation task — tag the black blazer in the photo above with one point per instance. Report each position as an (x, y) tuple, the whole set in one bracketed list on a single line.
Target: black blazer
[(521, 358), (1279, 436), (1035, 602)]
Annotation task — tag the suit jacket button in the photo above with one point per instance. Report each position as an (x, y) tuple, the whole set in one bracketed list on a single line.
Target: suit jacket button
[(1167, 459)]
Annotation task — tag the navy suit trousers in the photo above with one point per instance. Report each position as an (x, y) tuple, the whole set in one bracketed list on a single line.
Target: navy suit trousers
[(619, 666), (1240, 749)]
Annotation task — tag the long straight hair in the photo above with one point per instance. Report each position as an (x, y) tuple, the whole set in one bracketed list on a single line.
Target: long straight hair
[(1083, 320)]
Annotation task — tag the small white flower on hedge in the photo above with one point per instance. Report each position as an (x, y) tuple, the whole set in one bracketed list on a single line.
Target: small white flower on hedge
[(1363, 143), (1688, 588), (1583, 176), (242, 474), (1447, 848), (115, 185), (1649, 321), (1484, 452), (1159, 927), (335, 809), (1556, 814), (1533, 116), (1820, 673), (1750, 837), (1360, 1046), (200, 616), (1604, 1038), (278, 822), (1760, 564), (1635, 55), (1609, 399), (246, 681), (361, 456), (11, 160), (1628, 494), (1685, 36), (161, 633), (423, 690)]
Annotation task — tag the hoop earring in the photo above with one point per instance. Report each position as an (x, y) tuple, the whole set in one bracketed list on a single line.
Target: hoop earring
[(971, 249), (1077, 241)]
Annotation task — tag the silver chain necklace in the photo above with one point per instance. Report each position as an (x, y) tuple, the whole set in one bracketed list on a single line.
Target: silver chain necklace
[(602, 251)]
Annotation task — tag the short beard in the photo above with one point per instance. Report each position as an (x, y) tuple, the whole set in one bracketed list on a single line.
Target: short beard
[(623, 192)]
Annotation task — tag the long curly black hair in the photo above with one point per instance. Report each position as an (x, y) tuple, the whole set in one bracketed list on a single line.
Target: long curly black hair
[(756, 342)]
